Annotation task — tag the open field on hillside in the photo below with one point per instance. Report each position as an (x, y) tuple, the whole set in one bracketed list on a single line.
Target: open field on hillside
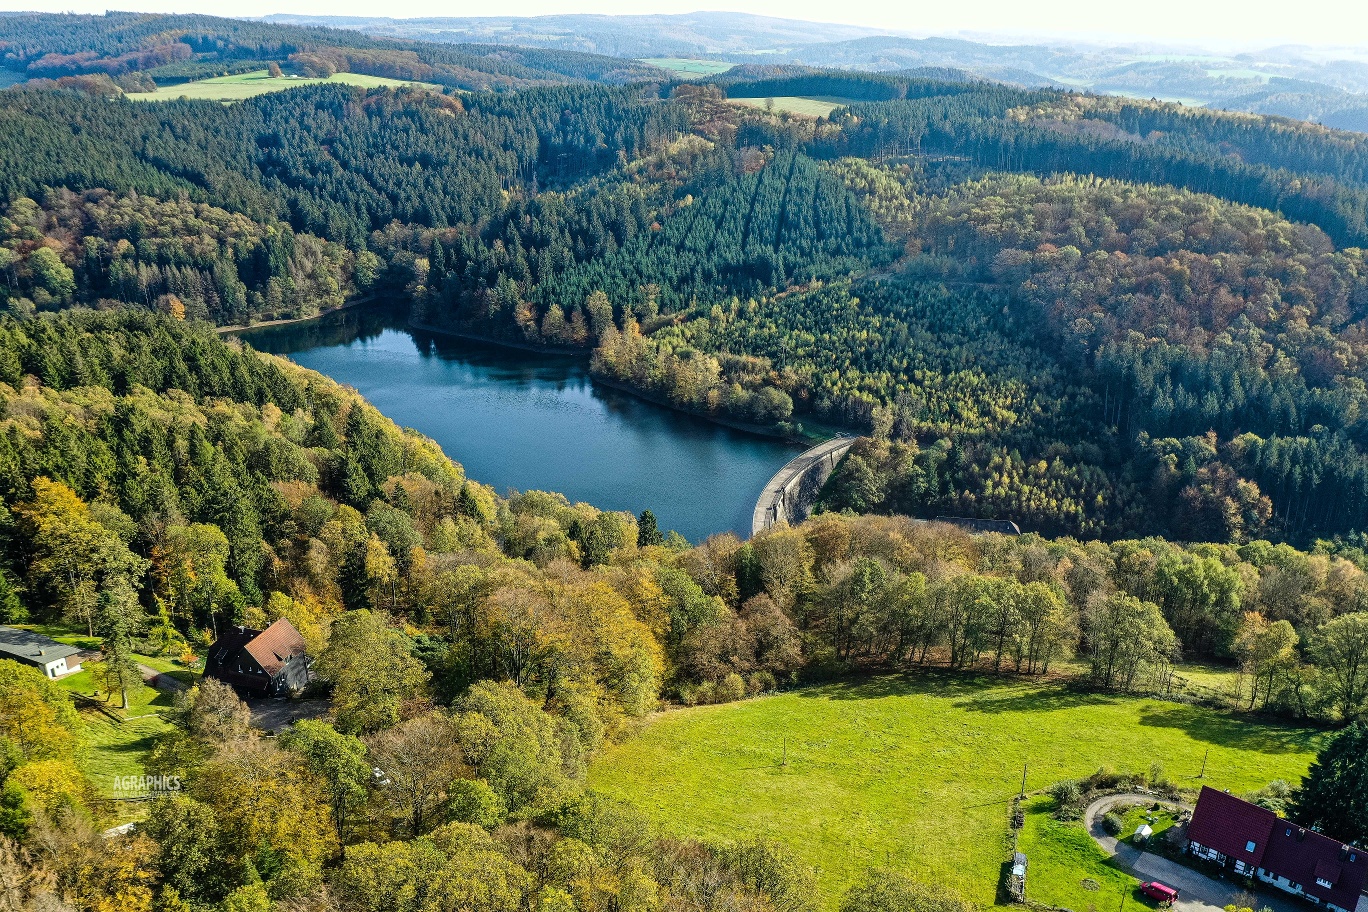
[(917, 772), (258, 82), (687, 67), (111, 747), (794, 104)]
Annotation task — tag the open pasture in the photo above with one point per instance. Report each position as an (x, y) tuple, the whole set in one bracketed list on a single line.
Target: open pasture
[(917, 772), (259, 82), (688, 68), (794, 104)]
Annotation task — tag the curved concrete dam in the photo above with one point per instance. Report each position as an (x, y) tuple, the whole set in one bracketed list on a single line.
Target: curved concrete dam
[(789, 495)]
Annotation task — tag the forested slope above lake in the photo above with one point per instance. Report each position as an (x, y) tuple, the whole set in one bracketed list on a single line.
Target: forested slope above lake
[(1162, 382), (964, 270)]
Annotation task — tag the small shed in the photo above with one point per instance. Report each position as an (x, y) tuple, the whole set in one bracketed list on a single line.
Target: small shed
[(53, 659), (1143, 833)]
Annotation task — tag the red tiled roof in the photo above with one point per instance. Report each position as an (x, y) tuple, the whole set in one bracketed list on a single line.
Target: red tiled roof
[(1303, 855), (1330, 873), (276, 645), (1225, 823)]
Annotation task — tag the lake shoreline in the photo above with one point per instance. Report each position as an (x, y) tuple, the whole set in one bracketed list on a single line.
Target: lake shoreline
[(558, 351), (240, 327), (759, 430)]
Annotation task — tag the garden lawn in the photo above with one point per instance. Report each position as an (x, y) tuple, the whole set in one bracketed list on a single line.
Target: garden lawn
[(258, 82), (1066, 867), (110, 747), (918, 772)]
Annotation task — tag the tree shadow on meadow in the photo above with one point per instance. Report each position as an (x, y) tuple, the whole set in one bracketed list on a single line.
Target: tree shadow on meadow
[(1232, 730), (930, 682)]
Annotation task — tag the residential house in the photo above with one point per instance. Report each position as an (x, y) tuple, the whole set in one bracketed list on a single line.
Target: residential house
[(263, 663), (52, 658), (1255, 842)]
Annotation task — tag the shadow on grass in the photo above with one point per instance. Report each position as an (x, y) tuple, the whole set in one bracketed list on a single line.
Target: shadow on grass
[(932, 682), (1034, 698), (974, 692), (1233, 731)]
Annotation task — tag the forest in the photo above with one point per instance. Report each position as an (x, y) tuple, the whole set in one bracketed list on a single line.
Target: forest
[(159, 484), (963, 268)]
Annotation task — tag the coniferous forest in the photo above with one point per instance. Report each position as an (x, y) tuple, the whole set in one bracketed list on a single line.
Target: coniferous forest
[(1137, 330)]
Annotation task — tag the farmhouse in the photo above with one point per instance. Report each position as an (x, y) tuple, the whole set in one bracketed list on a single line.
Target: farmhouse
[(47, 655), (264, 663), (1254, 841)]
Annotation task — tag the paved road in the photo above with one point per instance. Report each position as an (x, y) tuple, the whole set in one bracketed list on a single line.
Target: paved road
[(271, 714), (163, 682), (1196, 892), (773, 493)]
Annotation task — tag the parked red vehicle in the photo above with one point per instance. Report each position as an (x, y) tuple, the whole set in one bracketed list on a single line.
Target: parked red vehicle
[(1159, 892)]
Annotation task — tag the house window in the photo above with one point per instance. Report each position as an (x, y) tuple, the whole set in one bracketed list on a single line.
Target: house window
[(1249, 846), (1322, 882)]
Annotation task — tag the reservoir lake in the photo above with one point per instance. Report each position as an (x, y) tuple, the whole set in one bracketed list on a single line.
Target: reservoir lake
[(531, 421)]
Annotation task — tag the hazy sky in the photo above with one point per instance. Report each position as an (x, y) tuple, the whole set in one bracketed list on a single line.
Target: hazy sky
[(1229, 22)]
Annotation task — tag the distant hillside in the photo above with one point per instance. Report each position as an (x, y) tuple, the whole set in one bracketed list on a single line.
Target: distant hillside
[(170, 49), (1303, 83), (621, 36)]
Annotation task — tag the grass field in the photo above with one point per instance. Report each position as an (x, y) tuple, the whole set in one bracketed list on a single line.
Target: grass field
[(917, 773), (686, 67), (246, 85), (793, 104), (110, 747)]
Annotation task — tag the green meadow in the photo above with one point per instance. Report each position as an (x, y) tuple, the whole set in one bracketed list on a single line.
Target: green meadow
[(918, 773), (258, 82), (794, 104), (688, 67)]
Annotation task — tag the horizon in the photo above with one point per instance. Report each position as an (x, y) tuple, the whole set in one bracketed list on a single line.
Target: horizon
[(1223, 27)]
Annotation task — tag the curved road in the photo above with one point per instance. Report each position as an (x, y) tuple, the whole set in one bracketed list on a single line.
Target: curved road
[(776, 497), (1196, 891)]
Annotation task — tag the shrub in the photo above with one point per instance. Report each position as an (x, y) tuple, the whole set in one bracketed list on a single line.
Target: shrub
[(1113, 824), (705, 693), (761, 682), (731, 689), (1066, 792)]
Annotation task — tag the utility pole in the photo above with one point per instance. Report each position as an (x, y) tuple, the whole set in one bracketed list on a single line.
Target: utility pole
[(1202, 774)]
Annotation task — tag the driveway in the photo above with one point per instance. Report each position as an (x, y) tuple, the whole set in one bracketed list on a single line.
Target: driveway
[(1196, 892), (271, 715)]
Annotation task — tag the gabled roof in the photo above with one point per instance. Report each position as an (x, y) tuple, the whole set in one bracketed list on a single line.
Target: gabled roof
[(1225, 823), (1304, 856), (275, 646), (32, 648), (270, 648)]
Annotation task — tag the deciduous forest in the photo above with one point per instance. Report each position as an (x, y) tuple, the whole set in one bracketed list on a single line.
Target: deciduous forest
[(1164, 382)]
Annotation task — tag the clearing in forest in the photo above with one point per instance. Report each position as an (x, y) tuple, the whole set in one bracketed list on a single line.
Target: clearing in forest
[(258, 82), (917, 773), (795, 104), (688, 67)]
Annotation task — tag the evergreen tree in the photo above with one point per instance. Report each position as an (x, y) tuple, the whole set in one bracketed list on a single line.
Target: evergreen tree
[(1333, 798), (648, 533)]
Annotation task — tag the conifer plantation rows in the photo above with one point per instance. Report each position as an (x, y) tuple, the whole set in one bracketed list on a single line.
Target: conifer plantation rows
[(952, 265)]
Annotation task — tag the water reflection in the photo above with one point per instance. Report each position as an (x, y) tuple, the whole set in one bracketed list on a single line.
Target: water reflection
[(528, 420)]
